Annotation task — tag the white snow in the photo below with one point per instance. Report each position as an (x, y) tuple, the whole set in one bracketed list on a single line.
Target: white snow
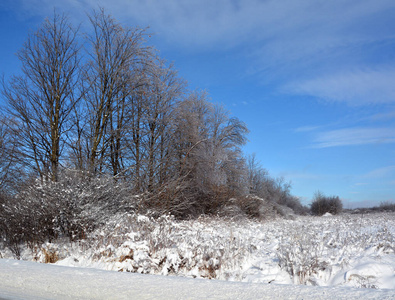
[(275, 257), (29, 280)]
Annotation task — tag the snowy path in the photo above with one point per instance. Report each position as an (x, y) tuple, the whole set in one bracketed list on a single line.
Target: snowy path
[(29, 280)]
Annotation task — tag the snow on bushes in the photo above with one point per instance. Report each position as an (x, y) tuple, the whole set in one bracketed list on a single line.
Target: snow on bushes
[(350, 250), (71, 208)]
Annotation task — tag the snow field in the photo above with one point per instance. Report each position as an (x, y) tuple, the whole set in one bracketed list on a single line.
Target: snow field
[(29, 280), (346, 250)]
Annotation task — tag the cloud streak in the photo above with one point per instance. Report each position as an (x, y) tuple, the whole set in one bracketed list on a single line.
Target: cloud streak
[(387, 116), (314, 48), (315, 23), (356, 88), (307, 128), (355, 136), (379, 173)]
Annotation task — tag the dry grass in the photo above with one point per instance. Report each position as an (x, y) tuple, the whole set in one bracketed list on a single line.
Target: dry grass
[(50, 257)]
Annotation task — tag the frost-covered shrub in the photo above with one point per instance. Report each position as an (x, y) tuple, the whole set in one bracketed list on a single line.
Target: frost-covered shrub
[(71, 208), (274, 190), (294, 203), (323, 204), (184, 201), (164, 245), (255, 207), (344, 250), (178, 198), (302, 256)]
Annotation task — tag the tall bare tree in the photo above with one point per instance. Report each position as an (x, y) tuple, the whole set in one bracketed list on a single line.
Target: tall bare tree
[(207, 162), (42, 98), (165, 90), (116, 51)]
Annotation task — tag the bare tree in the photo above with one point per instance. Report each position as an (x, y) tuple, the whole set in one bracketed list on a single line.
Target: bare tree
[(136, 134), (165, 90), (42, 99), (110, 74), (207, 163), (227, 135), (11, 166), (257, 176)]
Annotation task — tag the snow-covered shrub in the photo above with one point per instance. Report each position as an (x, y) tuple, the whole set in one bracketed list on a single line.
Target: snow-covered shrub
[(71, 208), (50, 255), (255, 207), (295, 204), (178, 198), (348, 250), (301, 256), (142, 244)]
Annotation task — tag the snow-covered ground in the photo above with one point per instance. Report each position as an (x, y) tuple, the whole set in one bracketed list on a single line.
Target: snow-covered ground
[(28, 280), (352, 251)]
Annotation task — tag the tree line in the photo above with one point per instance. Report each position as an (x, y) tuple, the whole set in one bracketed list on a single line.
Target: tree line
[(103, 104)]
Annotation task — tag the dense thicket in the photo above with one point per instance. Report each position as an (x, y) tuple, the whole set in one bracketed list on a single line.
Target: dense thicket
[(97, 114), (322, 204)]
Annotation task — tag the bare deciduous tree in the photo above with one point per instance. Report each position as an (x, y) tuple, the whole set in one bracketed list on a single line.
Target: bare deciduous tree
[(116, 53), (42, 98), (10, 162), (120, 111), (165, 90)]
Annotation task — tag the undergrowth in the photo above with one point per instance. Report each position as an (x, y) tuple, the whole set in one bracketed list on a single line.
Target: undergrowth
[(309, 249)]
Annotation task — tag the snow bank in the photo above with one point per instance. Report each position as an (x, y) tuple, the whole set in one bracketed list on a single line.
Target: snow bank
[(29, 280)]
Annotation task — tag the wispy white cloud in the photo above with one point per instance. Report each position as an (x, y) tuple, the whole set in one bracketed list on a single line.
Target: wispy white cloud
[(379, 173), (306, 128), (387, 116), (355, 88), (354, 136), (305, 47), (202, 23), (315, 23)]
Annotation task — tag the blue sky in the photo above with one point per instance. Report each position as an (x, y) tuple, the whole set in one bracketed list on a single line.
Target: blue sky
[(314, 80)]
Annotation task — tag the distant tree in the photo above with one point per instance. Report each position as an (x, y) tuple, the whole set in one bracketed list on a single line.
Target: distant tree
[(322, 204), (387, 206), (261, 184)]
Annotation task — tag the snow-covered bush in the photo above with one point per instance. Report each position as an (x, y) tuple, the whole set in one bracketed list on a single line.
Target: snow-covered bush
[(204, 248), (71, 208), (302, 255), (348, 250)]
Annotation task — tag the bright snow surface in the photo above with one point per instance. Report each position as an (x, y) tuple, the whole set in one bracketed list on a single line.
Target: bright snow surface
[(272, 259), (29, 280)]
